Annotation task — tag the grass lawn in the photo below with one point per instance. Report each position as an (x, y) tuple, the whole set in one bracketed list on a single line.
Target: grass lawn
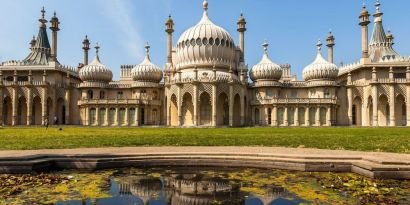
[(364, 139)]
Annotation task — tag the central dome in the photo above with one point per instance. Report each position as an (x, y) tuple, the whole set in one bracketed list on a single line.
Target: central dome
[(205, 45)]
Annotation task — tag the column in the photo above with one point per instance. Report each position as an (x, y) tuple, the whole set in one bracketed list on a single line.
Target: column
[(274, 116), (179, 103), (137, 116), (296, 116), (307, 110), (107, 114), (392, 106), (375, 105), (365, 116), (349, 105), (329, 116), (127, 113), (97, 116), (317, 115), (87, 116), (116, 117), (67, 106), (29, 107), (195, 102), (44, 106), (168, 116), (243, 107), (408, 104), (266, 121), (1, 101), (14, 102), (231, 105), (285, 116), (214, 105)]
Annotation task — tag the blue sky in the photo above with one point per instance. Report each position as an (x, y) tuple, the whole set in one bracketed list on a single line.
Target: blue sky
[(292, 27)]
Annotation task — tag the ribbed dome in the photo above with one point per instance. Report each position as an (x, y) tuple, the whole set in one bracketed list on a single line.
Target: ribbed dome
[(266, 69), (96, 71), (320, 69), (205, 45), (147, 71)]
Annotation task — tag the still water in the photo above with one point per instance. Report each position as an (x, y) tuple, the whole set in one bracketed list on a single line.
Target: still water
[(199, 186)]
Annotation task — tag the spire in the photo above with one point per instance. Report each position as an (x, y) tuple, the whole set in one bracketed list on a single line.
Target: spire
[(205, 17), (97, 53), (147, 47), (40, 52), (265, 48), (378, 15), (319, 47)]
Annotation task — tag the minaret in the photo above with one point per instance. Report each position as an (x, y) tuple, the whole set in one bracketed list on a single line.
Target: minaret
[(364, 23), (86, 48), (169, 29), (330, 44), (241, 30), (54, 28)]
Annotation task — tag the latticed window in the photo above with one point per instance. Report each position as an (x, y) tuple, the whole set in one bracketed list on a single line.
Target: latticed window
[(92, 116), (121, 119), (101, 116), (269, 93), (131, 116)]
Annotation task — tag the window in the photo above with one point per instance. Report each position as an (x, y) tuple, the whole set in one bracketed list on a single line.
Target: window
[(294, 94), (120, 95), (327, 93), (205, 41), (198, 42), (211, 41), (90, 94), (313, 93), (399, 75), (9, 78), (102, 94), (217, 41), (22, 78), (269, 93)]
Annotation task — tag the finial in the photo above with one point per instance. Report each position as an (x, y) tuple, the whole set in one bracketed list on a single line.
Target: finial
[(319, 46), (147, 47), (97, 48), (265, 47), (55, 14), (43, 12), (205, 5)]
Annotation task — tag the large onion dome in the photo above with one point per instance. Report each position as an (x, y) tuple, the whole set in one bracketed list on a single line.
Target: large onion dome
[(147, 71), (320, 69), (205, 45), (96, 71), (266, 70)]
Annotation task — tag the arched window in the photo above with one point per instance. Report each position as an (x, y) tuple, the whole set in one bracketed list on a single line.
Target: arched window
[(120, 95), (90, 94), (327, 93)]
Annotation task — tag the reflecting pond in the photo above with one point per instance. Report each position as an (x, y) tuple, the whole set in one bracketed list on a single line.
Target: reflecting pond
[(199, 186)]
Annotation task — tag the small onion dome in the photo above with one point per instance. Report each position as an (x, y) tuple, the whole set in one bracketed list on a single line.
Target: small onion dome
[(266, 69), (320, 69), (96, 71), (147, 71)]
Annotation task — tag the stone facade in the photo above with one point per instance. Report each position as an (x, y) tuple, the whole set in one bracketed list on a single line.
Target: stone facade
[(206, 82)]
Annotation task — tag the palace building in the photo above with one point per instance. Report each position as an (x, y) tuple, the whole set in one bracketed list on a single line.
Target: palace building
[(206, 82)]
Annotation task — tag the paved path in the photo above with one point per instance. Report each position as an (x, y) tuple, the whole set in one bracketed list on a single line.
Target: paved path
[(372, 164)]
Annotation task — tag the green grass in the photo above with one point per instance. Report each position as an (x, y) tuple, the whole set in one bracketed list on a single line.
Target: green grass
[(364, 139)]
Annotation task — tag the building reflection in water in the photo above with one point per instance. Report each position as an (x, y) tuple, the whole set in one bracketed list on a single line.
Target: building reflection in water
[(193, 189)]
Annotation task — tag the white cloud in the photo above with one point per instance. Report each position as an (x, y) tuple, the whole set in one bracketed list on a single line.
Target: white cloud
[(121, 13)]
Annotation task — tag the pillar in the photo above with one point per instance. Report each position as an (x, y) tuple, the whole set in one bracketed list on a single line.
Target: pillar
[(179, 104), (285, 116), (67, 106), (14, 102), (87, 116), (1, 101), (29, 107), (137, 116), (107, 114), (44, 116), (116, 117), (328, 116), (97, 116), (274, 116), (317, 115), (392, 106), (243, 107), (127, 113), (375, 106), (307, 110), (266, 116), (195, 103), (214, 105), (349, 105), (231, 105), (365, 116), (296, 116)]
